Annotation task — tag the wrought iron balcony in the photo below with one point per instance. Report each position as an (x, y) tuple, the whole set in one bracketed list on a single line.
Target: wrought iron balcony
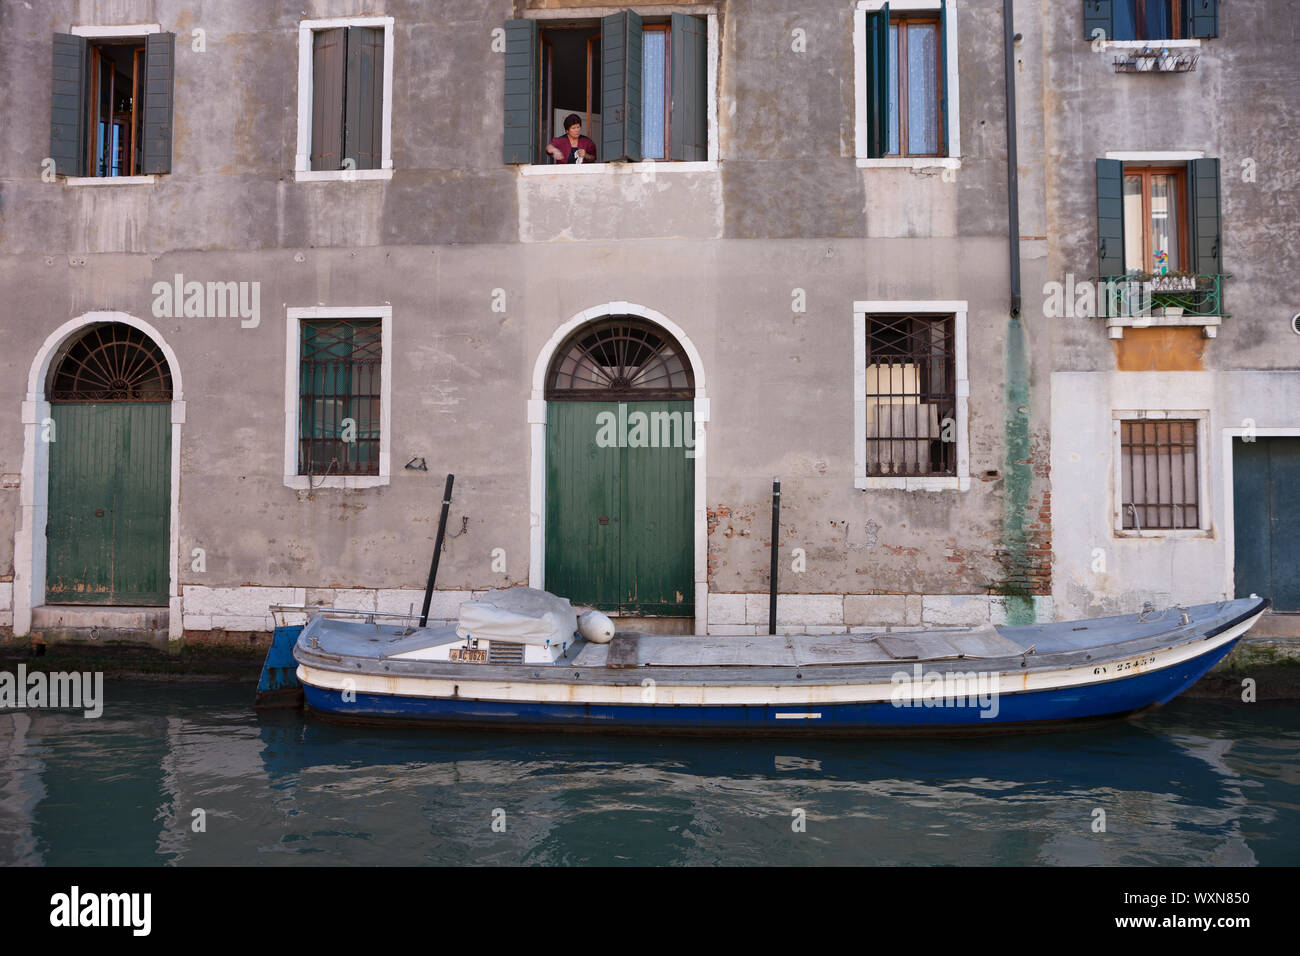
[(1141, 300)]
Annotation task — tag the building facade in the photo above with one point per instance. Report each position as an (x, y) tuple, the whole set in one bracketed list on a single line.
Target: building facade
[(1175, 426), (272, 273)]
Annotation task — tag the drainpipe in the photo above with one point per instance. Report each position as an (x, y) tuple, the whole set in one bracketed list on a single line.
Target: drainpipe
[(1019, 474), (1013, 183)]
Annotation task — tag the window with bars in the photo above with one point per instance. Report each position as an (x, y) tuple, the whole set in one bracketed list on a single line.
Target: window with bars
[(339, 383), (1159, 474), (911, 395)]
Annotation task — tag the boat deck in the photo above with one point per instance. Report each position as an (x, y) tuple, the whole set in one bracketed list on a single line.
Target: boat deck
[(378, 642)]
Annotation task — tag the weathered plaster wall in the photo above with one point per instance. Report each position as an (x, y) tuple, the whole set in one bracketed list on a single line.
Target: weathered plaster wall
[(1240, 106), (1099, 572), (719, 252)]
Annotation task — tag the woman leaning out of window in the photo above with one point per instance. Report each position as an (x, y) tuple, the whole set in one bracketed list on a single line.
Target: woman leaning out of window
[(572, 147)]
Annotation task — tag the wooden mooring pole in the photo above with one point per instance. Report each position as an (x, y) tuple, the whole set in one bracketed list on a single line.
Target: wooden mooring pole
[(437, 551)]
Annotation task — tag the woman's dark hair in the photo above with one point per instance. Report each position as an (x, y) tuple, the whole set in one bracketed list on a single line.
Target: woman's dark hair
[(570, 120)]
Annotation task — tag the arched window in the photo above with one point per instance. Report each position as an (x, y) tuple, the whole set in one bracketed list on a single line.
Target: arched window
[(112, 363), (620, 359)]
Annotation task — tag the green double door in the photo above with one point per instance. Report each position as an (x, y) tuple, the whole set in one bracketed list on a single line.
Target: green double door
[(109, 517), (619, 503), (1266, 519)]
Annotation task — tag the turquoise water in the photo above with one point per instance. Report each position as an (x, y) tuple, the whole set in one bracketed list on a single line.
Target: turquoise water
[(1194, 783)]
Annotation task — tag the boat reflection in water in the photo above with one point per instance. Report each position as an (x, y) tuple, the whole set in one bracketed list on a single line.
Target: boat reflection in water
[(1169, 796), (188, 775)]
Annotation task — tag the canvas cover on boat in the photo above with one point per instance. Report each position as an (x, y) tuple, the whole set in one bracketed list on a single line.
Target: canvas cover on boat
[(519, 615)]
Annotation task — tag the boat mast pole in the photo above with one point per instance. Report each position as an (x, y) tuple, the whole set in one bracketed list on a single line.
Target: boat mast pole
[(776, 528), (437, 551)]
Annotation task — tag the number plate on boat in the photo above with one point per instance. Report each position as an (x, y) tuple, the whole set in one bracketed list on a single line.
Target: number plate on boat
[(468, 655)]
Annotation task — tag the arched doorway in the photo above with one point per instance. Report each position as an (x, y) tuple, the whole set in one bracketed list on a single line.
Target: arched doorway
[(620, 469), (108, 523)]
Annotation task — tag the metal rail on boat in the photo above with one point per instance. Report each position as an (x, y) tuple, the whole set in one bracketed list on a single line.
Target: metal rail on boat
[(344, 611)]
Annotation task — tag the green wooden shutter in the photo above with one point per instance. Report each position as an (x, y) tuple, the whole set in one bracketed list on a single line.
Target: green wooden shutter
[(878, 66), (328, 66), (1204, 18), (68, 105), (159, 81), (1098, 15), (1110, 217), (688, 127), (1203, 184), (363, 127), (520, 138), (620, 87)]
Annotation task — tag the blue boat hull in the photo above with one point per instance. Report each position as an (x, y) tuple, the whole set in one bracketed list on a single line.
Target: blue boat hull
[(1013, 711)]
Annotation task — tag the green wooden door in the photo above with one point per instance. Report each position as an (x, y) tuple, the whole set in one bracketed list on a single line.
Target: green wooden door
[(619, 499), (110, 504), (1266, 519)]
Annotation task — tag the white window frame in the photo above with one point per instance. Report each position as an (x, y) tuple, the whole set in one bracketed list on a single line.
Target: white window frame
[(302, 171), (1202, 419), (648, 168), (292, 364), (957, 308), (952, 134)]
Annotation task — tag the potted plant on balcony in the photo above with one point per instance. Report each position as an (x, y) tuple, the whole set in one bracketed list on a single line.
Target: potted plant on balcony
[(1172, 292)]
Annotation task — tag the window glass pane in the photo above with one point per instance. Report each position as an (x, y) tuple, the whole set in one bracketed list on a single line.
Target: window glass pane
[(1164, 224), (1125, 13), (1133, 261), (652, 93), (922, 88), (893, 94)]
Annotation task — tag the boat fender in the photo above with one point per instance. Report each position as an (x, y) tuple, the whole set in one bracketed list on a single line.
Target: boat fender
[(596, 627)]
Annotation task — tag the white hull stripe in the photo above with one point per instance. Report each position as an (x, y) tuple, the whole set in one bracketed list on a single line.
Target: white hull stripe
[(777, 695)]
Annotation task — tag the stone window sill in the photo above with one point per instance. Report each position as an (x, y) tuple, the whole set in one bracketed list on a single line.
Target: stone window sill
[(110, 180), (949, 483), (315, 482), (910, 162), (1208, 324), (644, 168), (340, 175)]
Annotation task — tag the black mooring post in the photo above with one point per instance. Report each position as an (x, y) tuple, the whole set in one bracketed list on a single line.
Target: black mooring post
[(776, 529), (437, 551)]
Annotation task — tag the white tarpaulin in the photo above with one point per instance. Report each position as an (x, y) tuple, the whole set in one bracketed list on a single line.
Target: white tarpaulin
[(519, 615)]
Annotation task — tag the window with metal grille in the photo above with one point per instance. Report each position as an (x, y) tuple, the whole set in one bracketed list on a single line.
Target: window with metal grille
[(1159, 476), (911, 395), (339, 397)]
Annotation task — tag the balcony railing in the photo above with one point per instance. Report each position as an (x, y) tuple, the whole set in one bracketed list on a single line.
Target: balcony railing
[(1169, 295)]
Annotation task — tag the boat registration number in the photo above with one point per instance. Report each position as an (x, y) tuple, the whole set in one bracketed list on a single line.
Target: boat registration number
[(1125, 666), (468, 655)]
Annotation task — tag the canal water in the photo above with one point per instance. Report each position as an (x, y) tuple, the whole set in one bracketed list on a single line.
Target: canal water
[(176, 774)]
